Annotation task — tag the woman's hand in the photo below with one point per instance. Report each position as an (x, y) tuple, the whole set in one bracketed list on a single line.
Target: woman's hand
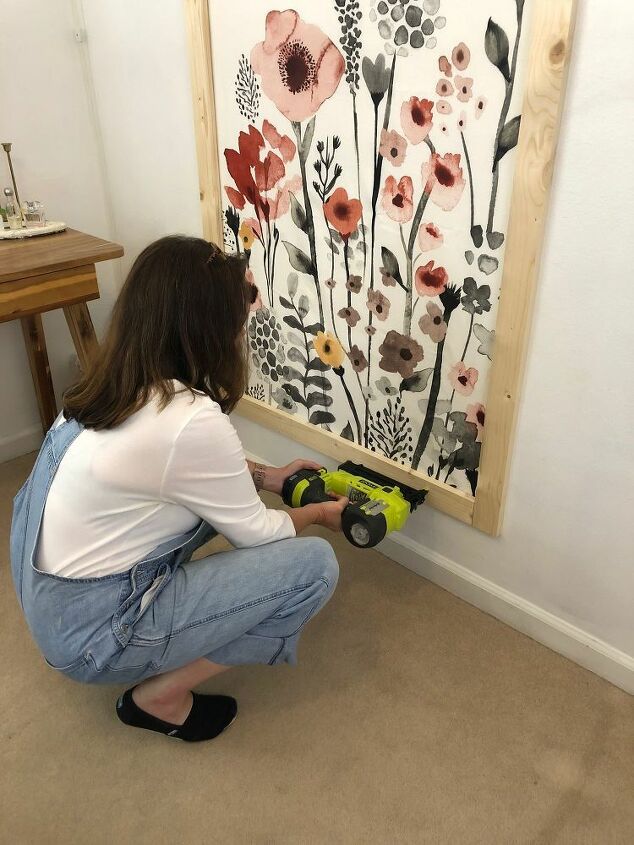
[(275, 477), (330, 516)]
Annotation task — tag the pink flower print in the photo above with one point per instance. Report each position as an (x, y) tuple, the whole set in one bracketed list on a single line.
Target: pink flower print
[(430, 237), (463, 380), (461, 56), (476, 414), (444, 88), (481, 104), (463, 88), (430, 281), (397, 199), (443, 107), (416, 119), (445, 66), (393, 147), (443, 180)]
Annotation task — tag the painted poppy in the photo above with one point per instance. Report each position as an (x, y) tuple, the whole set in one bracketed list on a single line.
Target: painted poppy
[(433, 324), (400, 354), (430, 281), (299, 65), (393, 147), (342, 213), (397, 199), (476, 414), (430, 237), (443, 180), (463, 380), (416, 119)]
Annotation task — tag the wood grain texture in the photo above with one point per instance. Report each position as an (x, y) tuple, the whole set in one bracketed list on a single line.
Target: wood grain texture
[(441, 496), (45, 292), (551, 38), (35, 256), (33, 332), (201, 68), (83, 333)]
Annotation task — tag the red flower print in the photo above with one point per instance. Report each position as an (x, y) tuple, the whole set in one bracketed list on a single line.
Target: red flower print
[(393, 147), (476, 414), (397, 199), (443, 180), (461, 56), (430, 237), (258, 173), (463, 380), (430, 281), (342, 213), (416, 119), (463, 88), (299, 65)]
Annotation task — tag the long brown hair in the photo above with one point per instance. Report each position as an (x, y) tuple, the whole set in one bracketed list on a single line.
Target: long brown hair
[(180, 315)]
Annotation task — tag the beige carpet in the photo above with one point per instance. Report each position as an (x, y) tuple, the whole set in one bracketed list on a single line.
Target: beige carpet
[(412, 718)]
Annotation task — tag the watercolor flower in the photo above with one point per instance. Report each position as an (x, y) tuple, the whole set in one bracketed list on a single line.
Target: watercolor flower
[(444, 88), (342, 213), (376, 77), (357, 359), (432, 323), (393, 147), (328, 349), (353, 284), (443, 180), (385, 386), (368, 393), (463, 88), (444, 107), (400, 354), (430, 281), (246, 235), (463, 380), (461, 56), (445, 66), (416, 119), (299, 65), (476, 414), (370, 331), (284, 401), (350, 315), (378, 304), (258, 173), (476, 299), (430, 237), (462, 122), (481, 104), (397, 199), (330, 283)]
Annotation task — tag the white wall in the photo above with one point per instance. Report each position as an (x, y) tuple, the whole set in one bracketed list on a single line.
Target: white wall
[(567, 552), (45, 112)]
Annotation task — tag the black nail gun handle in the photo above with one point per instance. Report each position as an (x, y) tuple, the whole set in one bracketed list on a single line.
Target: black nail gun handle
[(312, 490)]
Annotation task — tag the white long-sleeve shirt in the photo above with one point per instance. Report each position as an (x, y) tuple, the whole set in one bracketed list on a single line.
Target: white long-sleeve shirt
[(120, 493)]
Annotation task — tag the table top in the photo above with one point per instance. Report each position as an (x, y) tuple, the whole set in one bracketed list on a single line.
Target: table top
[(20, 259)]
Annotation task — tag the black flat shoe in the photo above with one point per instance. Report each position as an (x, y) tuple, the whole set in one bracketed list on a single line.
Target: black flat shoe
[(210, 715)]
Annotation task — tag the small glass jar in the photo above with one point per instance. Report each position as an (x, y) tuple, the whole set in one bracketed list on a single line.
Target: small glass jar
[(12, 210), (34, 215)]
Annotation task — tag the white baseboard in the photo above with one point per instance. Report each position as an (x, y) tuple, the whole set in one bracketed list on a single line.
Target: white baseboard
[(539, 624), (20, 444)]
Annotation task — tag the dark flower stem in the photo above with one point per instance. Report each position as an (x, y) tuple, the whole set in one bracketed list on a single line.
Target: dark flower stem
[(409, 292), (340, 371), (378, 165), (428, 422), (310, 223), (470, 172), (346, 264), (503, 115), (355, 119), (453, 392)]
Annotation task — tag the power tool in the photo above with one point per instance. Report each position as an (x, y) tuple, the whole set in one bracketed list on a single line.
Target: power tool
[(377, 505)]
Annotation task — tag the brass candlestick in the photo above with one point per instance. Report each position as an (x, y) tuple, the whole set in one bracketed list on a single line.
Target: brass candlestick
[(6, 146)]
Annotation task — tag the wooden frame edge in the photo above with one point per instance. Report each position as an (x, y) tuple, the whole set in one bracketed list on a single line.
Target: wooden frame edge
[(550, 43), (552, 28)]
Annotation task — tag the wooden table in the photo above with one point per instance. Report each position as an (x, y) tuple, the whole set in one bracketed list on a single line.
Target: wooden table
[(44, 273)]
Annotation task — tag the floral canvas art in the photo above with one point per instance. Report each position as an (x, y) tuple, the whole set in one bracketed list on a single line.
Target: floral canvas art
[(367, 152)]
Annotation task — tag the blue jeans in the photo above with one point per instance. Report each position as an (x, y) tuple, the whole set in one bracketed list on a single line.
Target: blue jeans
[(236, 607)]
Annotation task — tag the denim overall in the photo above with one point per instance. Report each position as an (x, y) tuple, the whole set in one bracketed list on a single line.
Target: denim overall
[(235, 607)]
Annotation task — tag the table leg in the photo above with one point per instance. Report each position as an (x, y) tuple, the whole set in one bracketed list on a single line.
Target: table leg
[(82, 332), (33, 332)]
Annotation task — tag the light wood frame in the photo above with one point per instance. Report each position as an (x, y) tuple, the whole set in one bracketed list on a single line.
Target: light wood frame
[(550, 42)]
